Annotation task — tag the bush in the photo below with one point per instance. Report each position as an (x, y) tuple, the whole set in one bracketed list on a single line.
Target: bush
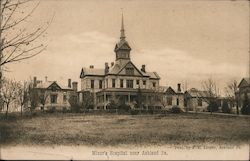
[(112, 105), (52, 110), (176, 109), (124, 108), (225, 107), (76, 108), (213, 106), (64, 110), (134, 112)]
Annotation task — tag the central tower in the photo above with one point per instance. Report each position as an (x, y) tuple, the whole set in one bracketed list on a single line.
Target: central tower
[(122, 48)]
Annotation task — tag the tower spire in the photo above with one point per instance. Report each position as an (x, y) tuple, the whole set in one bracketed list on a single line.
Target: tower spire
[(122, 37)]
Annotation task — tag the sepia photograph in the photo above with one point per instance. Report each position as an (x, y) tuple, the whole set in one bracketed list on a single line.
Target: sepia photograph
[(124, 80)]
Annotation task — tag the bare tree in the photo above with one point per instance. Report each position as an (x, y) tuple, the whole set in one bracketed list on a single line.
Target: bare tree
[(33, 98), (9, 93), (210, 87), (22, 43), (43, 98), (17, 40), (23, 94), (230, 91)]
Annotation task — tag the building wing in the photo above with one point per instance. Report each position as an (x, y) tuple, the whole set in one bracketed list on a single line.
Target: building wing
[(92, 72), (244, 82)]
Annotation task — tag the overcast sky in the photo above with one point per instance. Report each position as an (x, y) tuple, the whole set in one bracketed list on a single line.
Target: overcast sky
[(180, 40)]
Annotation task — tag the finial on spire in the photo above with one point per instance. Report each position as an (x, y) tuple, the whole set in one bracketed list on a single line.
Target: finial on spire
[(122, 28)]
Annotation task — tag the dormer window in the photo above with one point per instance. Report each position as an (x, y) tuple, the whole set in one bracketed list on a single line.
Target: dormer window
[(130, 71)]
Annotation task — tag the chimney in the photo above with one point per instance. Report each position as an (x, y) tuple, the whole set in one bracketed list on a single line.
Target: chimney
[(112, 64), (69, 83), (46, 78), (106, 68), (179, 87), (35, 81), (143, 68), (91, 66), (74, 85)]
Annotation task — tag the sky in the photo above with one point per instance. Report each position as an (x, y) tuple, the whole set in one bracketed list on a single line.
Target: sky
[(183, 41)]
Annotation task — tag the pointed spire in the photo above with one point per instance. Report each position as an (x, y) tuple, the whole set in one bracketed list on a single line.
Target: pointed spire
[(122, 29)]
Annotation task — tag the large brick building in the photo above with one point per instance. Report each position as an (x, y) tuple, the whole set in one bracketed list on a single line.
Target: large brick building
[(121, 81)]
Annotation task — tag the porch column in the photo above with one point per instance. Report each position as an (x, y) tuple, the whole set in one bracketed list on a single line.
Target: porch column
[(104, 101), (129, 97)]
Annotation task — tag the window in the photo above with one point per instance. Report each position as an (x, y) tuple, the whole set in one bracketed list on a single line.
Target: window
[(121, 83), (137, 82), (113, 83), (199, 102), (169, 100), (100, 84), (144, 82), (64, 98), (53, 88), (177, 101), (153, 84), (130, 83), (53, 98), (130, 71), (92, 83)]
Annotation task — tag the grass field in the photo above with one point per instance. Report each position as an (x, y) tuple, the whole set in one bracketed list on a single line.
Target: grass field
[(112, 129)]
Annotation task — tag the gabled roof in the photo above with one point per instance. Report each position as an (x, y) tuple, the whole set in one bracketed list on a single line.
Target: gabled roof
[(122, 45), (163, 88), (49, 84), (153, 75), (118, 66), (116, 69), (244, 82), (170, 91), (121, 64), (92, 72), (196, 93)]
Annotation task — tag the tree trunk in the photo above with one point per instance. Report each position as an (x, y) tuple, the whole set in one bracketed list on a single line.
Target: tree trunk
[(21, 110), (6, 114), (237, 107)]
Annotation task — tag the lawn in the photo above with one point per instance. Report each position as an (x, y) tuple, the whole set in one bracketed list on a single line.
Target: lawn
[(112, 129)]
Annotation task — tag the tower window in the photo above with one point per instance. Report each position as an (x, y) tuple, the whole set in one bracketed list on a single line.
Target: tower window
[(137, 82), (130, 83), (113, 83), (154, 84), (144, 82), (100, 84), (121, 83), (130, 71), (92, 83)]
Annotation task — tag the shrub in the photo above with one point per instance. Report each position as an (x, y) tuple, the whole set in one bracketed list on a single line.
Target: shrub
[(112, 105), (134, 112), (124, 108), (225, 107), (64, 109), (76, 108), (176, 109), (52, 110), (213, 106)]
